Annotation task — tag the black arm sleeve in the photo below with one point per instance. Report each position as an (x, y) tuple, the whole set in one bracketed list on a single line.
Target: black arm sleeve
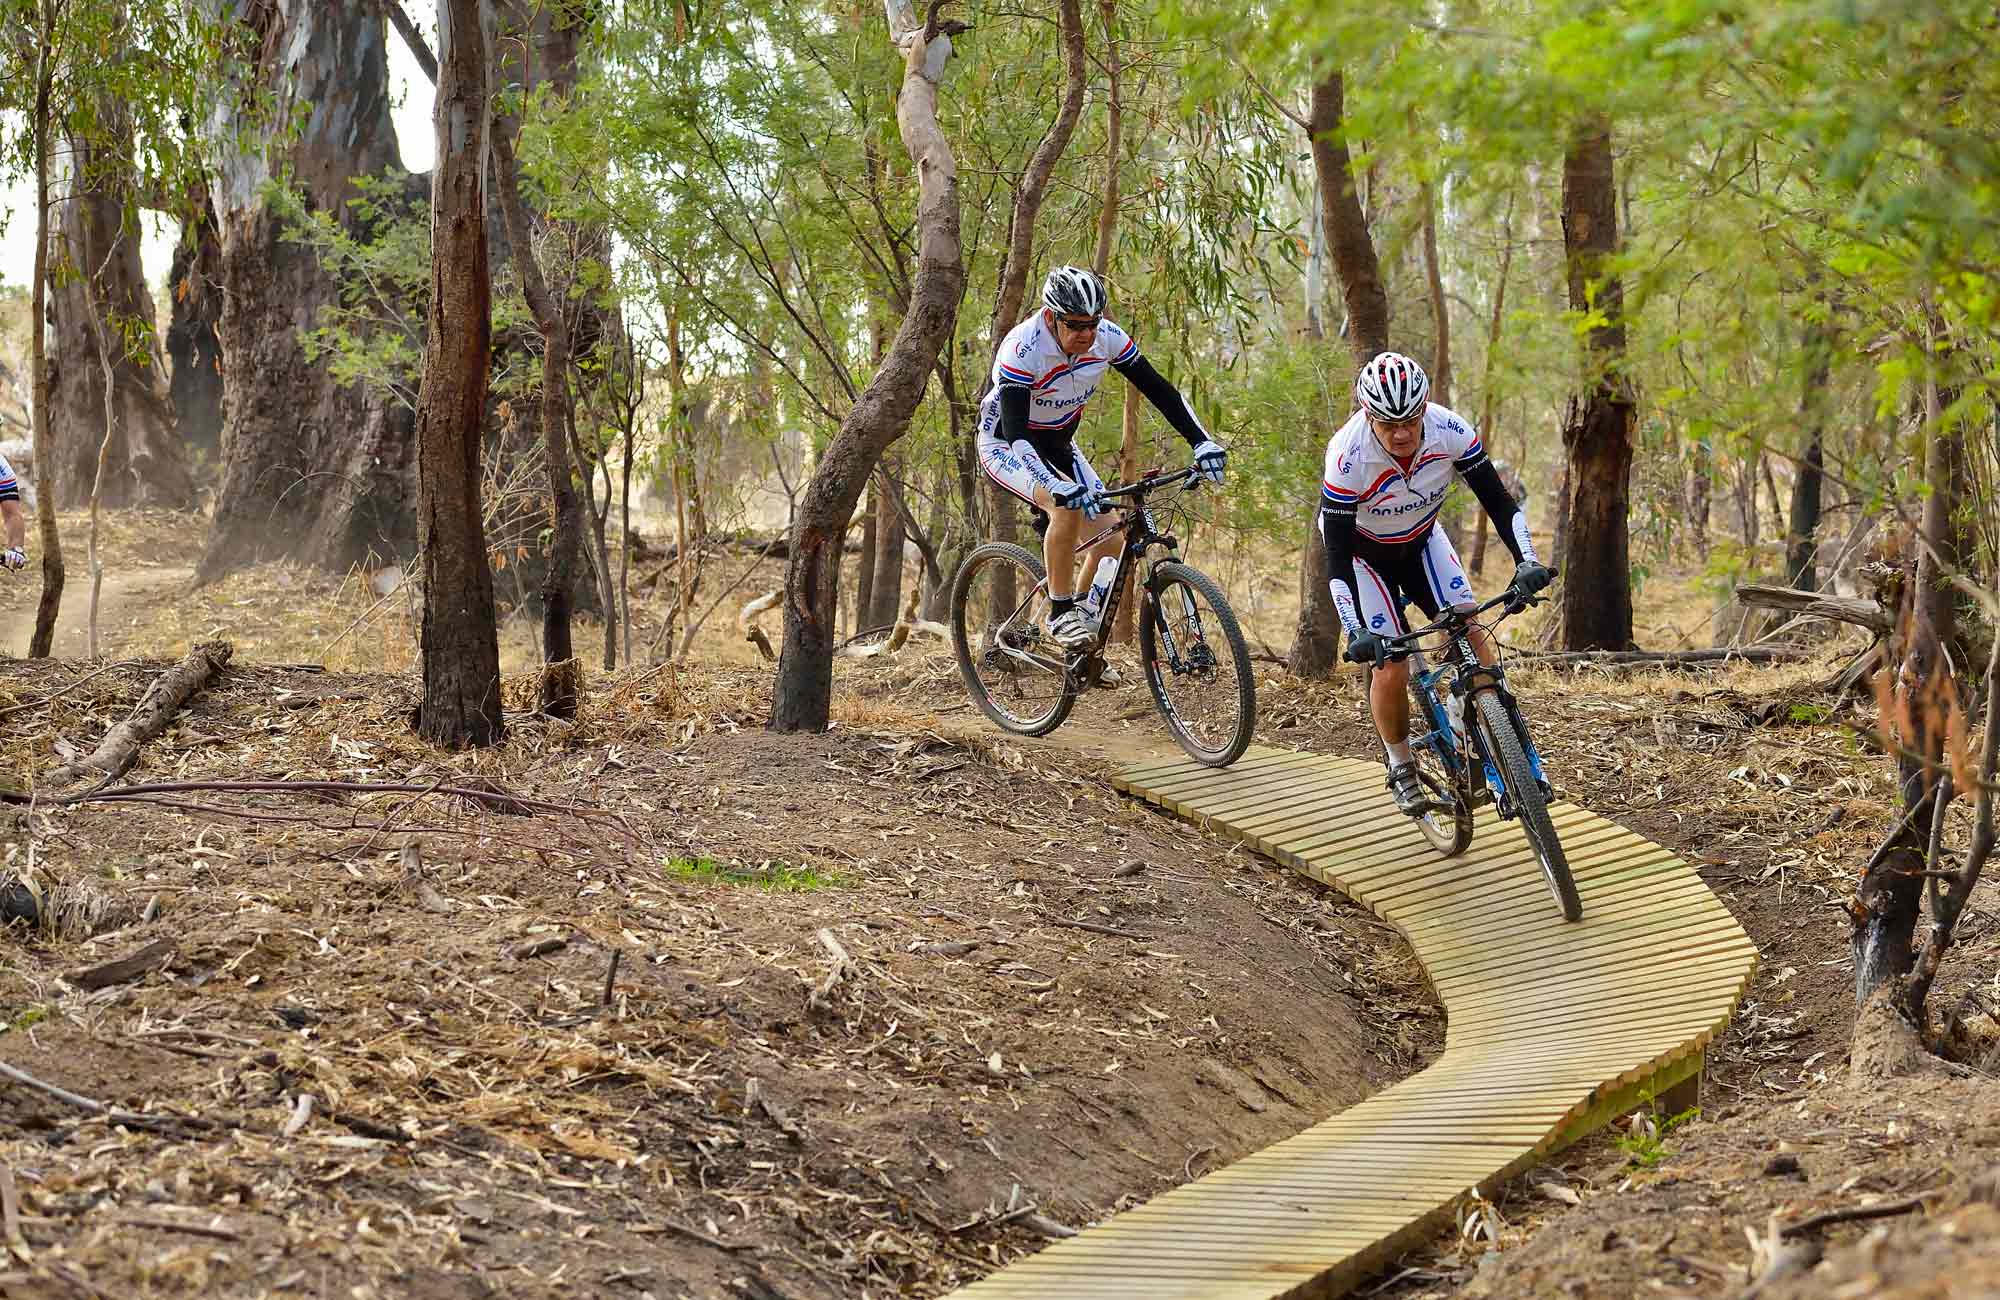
[(1166, 399), (1014, 401), (1500, 505), (1336, 529)]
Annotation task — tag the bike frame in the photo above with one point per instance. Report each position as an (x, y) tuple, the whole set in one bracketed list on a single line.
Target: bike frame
[(1466, 677), (1140, 537)]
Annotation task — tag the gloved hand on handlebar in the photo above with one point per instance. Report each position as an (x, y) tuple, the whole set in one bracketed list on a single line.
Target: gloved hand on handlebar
[(15, 558), (1531, 576), (1363, 647), (1209, 460), (1076, 496)]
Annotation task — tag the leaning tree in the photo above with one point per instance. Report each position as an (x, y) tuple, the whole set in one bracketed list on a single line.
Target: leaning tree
[(880, 415)]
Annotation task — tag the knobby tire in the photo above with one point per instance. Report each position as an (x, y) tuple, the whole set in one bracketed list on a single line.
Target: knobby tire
[(1530, 804)]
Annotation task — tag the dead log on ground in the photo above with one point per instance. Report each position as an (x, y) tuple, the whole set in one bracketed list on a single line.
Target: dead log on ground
[(1815, 604), (1662, 658), (167, 696)]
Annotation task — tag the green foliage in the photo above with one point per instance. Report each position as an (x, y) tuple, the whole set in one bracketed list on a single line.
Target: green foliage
[(26, 1018), (776, 877), (1645, 1143)]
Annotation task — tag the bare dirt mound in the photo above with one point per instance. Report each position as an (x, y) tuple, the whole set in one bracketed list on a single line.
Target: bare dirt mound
[(885, 1006)]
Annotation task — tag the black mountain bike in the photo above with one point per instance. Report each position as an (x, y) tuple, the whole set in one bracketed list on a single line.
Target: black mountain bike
[(1195, 660), (1492, 760)]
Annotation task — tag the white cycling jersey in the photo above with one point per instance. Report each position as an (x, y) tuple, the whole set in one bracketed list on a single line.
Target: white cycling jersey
[(1392, 504), (1058, 385), (10, 487)]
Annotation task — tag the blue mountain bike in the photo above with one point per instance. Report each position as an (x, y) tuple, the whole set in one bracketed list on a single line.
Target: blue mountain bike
[(1471, 743)]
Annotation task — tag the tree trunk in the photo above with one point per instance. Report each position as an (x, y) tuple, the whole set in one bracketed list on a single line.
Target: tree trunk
[(1493, 326), (194, 352), (801, 696), (1123, 624), (146, 462), (864, 564), (461, 652), (1701, 496), (1597, 431), (561, 680), (1440, 312), (1316, 641), (38, 361), (1918, 699), (311, 470), (887, 597), (1801, 532)]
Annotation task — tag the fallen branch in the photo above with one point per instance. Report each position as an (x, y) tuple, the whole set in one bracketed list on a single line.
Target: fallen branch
[(130, 1119), (1095, 928), (1854, 1214), (148, 959), (168, 1225), (167, 696), (842, 964), (746, 622), (1815, 604), (1665, 658)]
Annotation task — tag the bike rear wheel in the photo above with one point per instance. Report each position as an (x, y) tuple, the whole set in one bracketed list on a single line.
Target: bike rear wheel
[(1012, 666), (1503, 746), (1197, 664), (1448, 823)]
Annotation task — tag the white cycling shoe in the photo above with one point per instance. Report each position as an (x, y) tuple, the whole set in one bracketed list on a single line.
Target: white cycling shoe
[(1072, 629)]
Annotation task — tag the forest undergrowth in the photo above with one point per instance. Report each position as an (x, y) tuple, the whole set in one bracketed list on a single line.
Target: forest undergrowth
[(861, 1014)]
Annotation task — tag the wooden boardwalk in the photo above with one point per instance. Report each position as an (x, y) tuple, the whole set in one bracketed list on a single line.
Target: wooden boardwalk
[(1554, 1030)]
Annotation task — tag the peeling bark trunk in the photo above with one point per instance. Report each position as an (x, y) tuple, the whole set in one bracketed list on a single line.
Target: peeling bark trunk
[(145, 462), (1596, 596), (800, 697), (311, 470), (886, 600), (1701, 496), (1316, 641), (461, 653)]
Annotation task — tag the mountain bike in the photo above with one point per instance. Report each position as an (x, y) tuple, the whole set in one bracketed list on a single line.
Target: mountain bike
[(1195, 660), (1491, 761)]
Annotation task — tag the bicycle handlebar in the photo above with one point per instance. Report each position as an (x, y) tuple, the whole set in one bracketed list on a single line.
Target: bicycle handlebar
[(1451, 619), (1148, 483)]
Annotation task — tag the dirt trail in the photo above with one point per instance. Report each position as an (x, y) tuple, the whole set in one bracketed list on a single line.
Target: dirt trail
[(122, 588)]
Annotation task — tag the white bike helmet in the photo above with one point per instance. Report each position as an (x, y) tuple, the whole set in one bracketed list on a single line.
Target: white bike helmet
[(1392, 387), (1073, 291)]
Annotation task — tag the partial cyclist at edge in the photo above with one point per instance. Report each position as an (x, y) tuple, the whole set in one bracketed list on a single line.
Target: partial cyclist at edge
[(1045, 372), (1388, 472)]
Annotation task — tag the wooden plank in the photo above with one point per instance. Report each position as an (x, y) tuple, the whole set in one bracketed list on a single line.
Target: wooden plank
[(1554, 1029)]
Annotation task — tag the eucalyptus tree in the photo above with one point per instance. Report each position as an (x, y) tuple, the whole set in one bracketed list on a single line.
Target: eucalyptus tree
[(461, 652), (305, 102)]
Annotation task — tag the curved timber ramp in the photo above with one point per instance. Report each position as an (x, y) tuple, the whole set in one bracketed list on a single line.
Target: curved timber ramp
[(1554, 1030)]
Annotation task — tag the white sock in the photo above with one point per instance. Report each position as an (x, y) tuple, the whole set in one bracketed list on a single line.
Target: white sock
[(1399, 751)]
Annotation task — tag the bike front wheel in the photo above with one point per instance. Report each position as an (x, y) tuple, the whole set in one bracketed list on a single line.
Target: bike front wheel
[(1503, 746), (1014, 669), (1447, 824), (1197, 664)]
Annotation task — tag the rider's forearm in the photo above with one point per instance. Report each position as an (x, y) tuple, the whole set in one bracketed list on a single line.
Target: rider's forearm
[(1014, 403), (1166, 399), (1500, 505), (16, 521), (1336, 529)]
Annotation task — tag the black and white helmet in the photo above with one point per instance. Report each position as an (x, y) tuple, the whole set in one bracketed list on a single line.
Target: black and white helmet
[(1392, 387), (1073, 291)]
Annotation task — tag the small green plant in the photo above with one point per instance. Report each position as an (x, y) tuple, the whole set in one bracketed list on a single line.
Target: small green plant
[(780, 877), (1807, 714), (1645, 1145), (27, 1018)]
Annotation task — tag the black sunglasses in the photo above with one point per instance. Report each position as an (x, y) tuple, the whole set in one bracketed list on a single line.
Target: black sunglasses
[(1078, 324)]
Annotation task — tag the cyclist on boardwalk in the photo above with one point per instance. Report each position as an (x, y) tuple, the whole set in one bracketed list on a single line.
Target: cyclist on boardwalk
[(1046, 370), (1388, 471)]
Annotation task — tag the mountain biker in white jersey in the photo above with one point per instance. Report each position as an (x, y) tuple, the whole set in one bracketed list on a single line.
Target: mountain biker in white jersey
[(1388, 471), (1046, 370), (13, 519)]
